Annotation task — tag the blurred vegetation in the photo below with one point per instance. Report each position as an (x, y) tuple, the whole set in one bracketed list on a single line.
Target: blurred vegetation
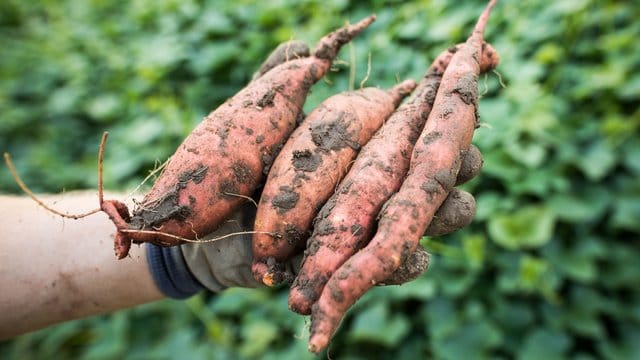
[(547, 269)]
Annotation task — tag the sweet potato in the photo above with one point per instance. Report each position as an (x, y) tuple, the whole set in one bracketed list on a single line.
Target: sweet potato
[(378, 171), (435, 162), (227, 155), (309, 167)]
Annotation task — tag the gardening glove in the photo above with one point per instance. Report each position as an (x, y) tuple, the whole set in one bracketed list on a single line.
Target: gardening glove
[(456, 212), (220, 260)]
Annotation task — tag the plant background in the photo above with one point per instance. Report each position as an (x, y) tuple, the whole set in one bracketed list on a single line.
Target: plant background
[(546, 271)]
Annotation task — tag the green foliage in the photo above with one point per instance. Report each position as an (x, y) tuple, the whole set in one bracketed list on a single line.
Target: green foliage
[(547, 269)]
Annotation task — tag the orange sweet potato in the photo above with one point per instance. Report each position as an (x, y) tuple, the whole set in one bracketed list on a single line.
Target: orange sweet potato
[(227, 155), (345, 224), (309, 167), (435, 162)]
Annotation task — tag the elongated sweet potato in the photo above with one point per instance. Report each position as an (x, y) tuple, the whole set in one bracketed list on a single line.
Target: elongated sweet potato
[(227, 155), (308, 169), (435, 162), (346, 222)]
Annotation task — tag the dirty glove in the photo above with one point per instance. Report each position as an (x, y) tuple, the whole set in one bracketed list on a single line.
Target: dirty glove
[(182, 271), (456, 212)]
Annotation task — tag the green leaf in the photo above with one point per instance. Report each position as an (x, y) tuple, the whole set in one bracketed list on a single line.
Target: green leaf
[(569, 7), (577, 261), (111, 339), (529, 227), (501, 166), (626, 347), (104, 106), (513, 314), (598, 160), (490, 203), (550, 52), (545, 344), (475, 250), (234, 300), (441, 318), (586, 324), (422, 288), (214, 22), (531, 155), (632, 155), (580, 268), (582, 207), (475, 338), (627, 214), (213, 56), (376, 325), (532, 271), (631, 88), (257, 335)]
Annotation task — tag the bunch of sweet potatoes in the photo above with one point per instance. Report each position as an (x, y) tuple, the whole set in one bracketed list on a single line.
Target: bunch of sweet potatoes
[(370, 212), (354, 184), (225, 158), (333, 275)]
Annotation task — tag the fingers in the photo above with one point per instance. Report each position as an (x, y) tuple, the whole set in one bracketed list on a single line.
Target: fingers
[(471, 165), (284, 52), (416, 264), (456, 212), (459, 207)]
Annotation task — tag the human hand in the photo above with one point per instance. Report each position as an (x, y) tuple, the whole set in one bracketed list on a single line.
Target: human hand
[(456, 212), (227, 262)]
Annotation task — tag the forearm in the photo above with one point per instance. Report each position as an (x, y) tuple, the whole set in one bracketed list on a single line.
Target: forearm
[(54, 269)]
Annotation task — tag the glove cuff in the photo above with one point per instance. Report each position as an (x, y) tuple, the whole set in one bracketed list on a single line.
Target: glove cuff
[(170, 272)]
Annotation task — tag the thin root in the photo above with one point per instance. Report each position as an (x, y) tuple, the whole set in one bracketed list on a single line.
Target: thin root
[(486, 86), (157, 169), (23, 187), (485, 125), (180, 238), (504, 86), (366, 77), (326, 80), (103, 142), (329, 352), (304, 329), (352, 67), (242, 196)]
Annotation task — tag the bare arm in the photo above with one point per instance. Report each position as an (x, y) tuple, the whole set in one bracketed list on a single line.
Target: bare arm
[(54, 269)]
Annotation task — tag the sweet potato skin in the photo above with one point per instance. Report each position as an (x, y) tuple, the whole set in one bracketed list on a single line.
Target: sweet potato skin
[(310, 166), (227, 155), (435, 162), (376, 174)]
